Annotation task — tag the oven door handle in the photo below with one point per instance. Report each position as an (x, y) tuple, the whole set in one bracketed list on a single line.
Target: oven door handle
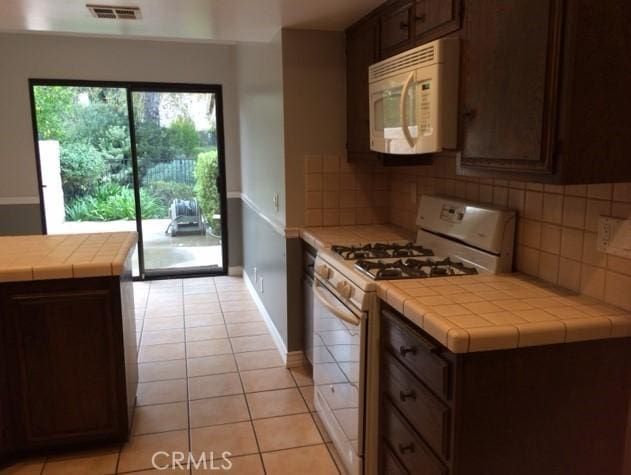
[(348, 317)]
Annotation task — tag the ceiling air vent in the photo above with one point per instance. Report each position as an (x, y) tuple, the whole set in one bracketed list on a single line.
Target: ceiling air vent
[(114, 13)]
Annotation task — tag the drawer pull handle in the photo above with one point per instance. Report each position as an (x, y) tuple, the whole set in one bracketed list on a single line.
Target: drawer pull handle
[(409, 395), (404, 351), (406, 448), (403, 25)]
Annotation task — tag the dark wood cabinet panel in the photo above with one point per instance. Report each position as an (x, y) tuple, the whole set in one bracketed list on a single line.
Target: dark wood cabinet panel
[(69, 347), (424, 410), (418, 354), (6, 442), (569, 405), (414, 454), (435, 18), (390, 464), (66, 376), (544, 90), (362, 50), (397, 28), (508, 84)]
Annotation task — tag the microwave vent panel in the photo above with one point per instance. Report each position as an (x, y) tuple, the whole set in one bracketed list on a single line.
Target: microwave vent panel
[(414, 58)]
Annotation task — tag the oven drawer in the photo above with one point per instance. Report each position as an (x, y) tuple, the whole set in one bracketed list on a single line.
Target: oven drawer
[(418, 354), (413, 453), (425, 412)]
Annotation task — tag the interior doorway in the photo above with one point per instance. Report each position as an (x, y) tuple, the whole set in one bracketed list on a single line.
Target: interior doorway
[(130, 156)]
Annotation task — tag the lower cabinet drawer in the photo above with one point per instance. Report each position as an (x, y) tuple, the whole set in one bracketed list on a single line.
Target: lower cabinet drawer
[(425, 412), (416, 353), (414, 454), (389, 463)]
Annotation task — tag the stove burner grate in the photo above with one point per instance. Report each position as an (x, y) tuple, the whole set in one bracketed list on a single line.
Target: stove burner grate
[(382, 251), (413, 268)]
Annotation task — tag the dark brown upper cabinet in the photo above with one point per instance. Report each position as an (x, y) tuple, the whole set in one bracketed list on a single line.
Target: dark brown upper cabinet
[(397, 28), (435, 18), (545, 90), (362, 50)]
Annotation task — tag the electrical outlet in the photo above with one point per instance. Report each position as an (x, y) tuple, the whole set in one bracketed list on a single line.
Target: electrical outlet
[(261, 286), (614, 236), (276, 202), (255, 275)]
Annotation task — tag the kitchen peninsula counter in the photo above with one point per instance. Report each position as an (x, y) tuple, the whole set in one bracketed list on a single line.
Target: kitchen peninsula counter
[(68, 356), (64, 256)]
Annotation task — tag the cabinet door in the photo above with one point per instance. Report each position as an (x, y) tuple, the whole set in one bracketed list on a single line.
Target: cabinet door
[(66, 370), (435, 18), (6, 435), (510, 56), (397, 28), (362, 50)]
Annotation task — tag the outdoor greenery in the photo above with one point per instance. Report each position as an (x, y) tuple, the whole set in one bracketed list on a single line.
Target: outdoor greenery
[(206, 171), (112, 201), (91, 125)]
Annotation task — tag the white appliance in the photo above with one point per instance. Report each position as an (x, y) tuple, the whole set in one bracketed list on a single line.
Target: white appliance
[(414, 100), (454, 238)]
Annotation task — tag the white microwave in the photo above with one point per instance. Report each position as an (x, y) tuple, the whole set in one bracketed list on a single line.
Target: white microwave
[(414, 100)]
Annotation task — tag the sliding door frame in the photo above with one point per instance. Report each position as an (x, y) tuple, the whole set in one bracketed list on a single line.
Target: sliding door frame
[(137, 86)]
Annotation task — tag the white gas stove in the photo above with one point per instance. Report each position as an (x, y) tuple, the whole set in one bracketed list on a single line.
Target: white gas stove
[(454, 238)]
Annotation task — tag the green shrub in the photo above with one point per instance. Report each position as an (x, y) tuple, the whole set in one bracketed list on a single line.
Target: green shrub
[(206, 172), (167, 191), (111, 202), (82, 169), (183, 137)]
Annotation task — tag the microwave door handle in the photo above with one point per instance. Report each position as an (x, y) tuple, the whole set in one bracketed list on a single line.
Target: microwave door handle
[(348, 317), (402, 110)]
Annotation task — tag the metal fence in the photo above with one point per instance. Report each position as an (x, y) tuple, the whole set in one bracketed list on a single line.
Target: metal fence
[(176, 170)]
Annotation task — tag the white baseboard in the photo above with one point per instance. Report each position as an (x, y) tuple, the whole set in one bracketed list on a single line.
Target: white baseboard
[(288, 358), (235, 271)]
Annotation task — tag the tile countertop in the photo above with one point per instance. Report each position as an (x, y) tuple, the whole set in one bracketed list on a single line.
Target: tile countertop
[(488, 312), (64, 256)]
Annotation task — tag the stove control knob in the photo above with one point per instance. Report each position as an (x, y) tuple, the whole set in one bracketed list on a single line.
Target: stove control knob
[(323, 271), (344, 289)]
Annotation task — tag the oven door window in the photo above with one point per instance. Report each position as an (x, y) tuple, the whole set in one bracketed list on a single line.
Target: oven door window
[(336, 368)]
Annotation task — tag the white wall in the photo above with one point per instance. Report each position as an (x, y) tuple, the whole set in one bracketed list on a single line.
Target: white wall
[(259, 73), (65, 57)]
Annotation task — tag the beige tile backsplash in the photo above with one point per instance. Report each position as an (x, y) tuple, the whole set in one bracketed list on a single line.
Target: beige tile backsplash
[(556, 229), (341, 193)]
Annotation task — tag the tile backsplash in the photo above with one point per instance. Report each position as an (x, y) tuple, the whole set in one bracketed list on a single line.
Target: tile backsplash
[(341, 193), (556, 228)]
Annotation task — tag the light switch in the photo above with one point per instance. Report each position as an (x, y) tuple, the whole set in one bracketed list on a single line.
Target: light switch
[(276, 202), (614, 236)]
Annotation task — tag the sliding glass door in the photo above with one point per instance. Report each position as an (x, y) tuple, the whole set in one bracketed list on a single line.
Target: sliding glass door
[(130, 156), (178, 170)]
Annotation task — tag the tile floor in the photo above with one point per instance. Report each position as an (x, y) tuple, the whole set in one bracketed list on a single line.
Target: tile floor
[(211, 380)]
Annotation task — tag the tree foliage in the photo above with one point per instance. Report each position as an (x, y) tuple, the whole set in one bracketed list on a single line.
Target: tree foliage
[(53, 104)]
